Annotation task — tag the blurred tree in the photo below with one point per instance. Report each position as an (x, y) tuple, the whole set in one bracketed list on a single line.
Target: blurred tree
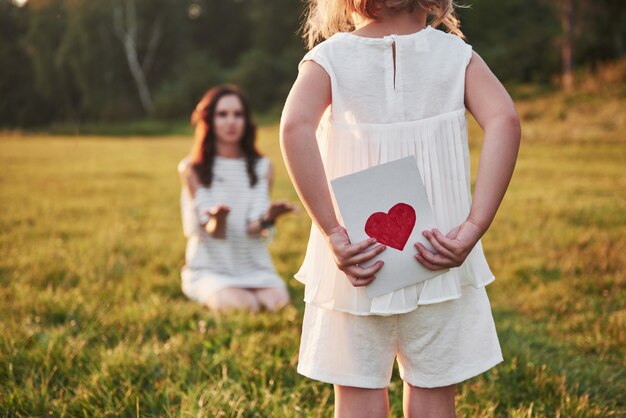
[(141, 27), (600, 31), (21, 103), (97, 62), (52, 77), (615, 13), (268, 69), (591, 32), (515, 37), (219, 27), (126, 27), (78, 60), (257, 74), (566, 16), (194, 74)]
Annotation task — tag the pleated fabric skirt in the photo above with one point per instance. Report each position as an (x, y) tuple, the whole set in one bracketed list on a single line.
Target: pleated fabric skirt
[(440, 147)]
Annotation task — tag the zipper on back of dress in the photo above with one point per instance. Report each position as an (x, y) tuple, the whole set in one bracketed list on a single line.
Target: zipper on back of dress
[(391, 41)]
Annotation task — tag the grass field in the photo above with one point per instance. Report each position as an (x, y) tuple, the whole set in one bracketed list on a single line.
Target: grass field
[(93, 323)]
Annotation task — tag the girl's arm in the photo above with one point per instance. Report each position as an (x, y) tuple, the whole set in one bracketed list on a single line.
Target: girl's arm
[(488, 101), (306, 103), (215, 220)]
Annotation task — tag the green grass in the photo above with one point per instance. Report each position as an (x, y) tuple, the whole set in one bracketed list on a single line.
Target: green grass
[(93, 323)]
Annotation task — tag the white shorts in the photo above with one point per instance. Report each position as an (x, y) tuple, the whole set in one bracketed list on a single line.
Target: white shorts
[(436, 345)]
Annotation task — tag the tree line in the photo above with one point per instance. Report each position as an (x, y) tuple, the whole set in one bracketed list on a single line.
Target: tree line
[(109, 60)]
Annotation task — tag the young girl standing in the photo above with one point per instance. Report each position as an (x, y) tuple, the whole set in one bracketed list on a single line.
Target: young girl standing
[(383, 85), (226, 208)]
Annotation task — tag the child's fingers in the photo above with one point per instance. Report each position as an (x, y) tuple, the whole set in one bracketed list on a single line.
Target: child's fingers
[(428, 265), (371, 270), (362, 257), (364, 272), (437, 245), (350, 255), (355, 249), (435, 259), (446, 242), (363, 276), (358, 282)]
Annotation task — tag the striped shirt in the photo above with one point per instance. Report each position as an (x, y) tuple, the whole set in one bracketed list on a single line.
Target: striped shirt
[(240, 260)]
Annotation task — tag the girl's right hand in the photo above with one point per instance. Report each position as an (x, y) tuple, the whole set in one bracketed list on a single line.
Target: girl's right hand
[(348, 256)]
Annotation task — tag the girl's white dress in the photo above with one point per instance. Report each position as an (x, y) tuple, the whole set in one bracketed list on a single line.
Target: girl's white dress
[(413, 105), (240, 260)]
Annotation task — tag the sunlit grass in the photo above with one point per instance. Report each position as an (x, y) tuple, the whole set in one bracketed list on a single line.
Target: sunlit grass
[(93, 323)]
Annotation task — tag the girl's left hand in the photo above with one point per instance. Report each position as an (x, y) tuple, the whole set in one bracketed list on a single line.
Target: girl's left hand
[(452, 249)]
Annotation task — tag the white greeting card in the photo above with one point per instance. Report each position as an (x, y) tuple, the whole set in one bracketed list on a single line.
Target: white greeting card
[(388, 202)]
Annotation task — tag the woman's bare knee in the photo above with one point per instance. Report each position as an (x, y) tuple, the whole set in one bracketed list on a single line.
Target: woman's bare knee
[(232, 299), (272, 299)]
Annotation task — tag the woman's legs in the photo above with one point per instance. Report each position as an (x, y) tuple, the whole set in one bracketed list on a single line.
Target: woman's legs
[(232, 298), (351, 402), (428, 403), (272, 298)]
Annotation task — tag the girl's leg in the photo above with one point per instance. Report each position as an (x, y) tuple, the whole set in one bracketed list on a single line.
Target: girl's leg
[(428, 403), (351, 402), (272, 298), (232, 298)]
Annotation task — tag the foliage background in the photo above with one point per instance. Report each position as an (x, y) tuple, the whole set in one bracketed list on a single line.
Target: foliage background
[(63, 60)]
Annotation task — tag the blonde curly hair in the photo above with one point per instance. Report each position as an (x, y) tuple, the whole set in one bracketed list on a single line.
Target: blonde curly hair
[(324, 18)]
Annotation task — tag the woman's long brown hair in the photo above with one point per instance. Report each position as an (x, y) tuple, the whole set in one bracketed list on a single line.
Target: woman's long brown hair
[(203, 150)]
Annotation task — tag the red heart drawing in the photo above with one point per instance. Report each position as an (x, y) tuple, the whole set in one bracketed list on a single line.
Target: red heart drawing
[(392, 229)]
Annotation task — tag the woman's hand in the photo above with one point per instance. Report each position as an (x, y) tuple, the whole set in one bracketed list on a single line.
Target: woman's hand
[(216, 227), (348, 256), (277, 209), (452, 249)]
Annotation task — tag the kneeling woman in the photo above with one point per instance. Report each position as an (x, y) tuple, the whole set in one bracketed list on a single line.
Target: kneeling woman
[(226, 209)]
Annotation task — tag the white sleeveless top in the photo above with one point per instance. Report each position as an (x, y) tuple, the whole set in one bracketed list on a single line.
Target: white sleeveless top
[(374, 119)]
